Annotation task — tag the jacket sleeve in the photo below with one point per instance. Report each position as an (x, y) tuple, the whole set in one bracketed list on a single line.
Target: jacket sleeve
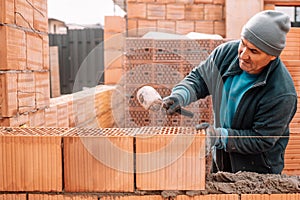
[(201, 81), (270, 123)]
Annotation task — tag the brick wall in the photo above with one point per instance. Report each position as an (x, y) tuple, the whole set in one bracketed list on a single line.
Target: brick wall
[(85, 161), (175, 16), (24, 64), (122, 164)]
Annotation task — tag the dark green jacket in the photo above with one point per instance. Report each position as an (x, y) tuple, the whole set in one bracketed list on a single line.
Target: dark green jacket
[(260, 127)]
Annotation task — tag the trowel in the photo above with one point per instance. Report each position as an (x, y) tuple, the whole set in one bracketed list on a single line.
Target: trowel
[(150, 99)]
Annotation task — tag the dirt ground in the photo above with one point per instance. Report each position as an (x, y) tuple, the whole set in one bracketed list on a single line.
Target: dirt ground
[(244, 183), (249, 182)]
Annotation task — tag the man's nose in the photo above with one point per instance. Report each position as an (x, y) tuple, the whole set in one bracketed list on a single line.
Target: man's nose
[(244, 54)]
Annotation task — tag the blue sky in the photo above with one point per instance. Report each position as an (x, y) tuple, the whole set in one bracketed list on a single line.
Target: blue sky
[(82, 11)]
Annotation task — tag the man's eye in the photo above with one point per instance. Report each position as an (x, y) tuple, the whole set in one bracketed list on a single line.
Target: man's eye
[(254, 51)]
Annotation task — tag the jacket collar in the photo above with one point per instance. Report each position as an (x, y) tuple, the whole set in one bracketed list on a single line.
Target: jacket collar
[(235, 69)]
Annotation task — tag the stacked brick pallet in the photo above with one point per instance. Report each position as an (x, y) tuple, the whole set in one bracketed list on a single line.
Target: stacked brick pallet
[(162, 63), (24, 64), (114, 37), (292, 50), (89, 108), (184, 16)]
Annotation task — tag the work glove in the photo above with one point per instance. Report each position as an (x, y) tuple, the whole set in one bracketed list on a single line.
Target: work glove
[(212, 136), (173, 104)]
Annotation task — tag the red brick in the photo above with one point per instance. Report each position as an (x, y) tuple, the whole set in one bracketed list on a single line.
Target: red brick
[(114, 24), (175, 11), (114, 45), (103, 107), (166, 26), (46, 61), (292, 156), (213, 12), (222, 2), (136, 10), (40, 15), (204, 27), (112, 76), (42, 89), (132, 27), (164, 155), (34, 46), (269, 6), (16, 121), (194, 12), (131, 197), (8, 94), (72, 115), (184, 27), (12, 49), (37, 118), (51, 116), (30, 163), (117, 63), (24, 13), (62, 115), (7, 11), (13, 197), (145, 26), (203, 1), (292, 49), (54, 71), (62, 197), (156, 11), (146, 1), (100, 163), (166, 1), (26, 92), (219, 28)]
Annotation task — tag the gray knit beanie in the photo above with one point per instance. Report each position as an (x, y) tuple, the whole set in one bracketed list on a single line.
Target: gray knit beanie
[(267, 31)]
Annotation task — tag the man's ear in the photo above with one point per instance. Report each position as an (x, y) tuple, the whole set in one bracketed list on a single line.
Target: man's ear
[(273, 57)]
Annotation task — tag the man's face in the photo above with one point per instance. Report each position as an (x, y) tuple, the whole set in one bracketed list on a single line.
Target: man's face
[(252, 59)]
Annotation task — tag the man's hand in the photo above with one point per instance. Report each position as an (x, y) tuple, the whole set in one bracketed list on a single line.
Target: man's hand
[(172, 104), (213, 136)]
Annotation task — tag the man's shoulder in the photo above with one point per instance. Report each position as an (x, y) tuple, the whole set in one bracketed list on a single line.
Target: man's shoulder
[(226, 50), (229, 44)]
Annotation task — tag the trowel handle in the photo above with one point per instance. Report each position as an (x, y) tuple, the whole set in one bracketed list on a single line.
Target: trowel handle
[(185, 112)]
